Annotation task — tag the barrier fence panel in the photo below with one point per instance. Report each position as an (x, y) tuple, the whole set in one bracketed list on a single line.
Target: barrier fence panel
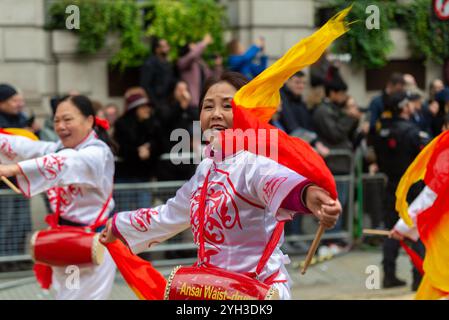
[(301, 231), (15, 225)]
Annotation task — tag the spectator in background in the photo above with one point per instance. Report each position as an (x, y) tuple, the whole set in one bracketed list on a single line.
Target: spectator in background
[(194, 70), (442, 98), (15, 218), (295, 114), (10, 108), (157, 76), (325, 70), (242, 61), (410, 82), (395, 84), (111, 114), (435, 86), (138, 134), (334, 122), (422, 117), (98, 108), (397, 145), (183, 114), (132, 91)]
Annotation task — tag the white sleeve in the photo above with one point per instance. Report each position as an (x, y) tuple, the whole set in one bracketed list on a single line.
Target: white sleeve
[(271, 182), (422, 202), (405, 230), (144, 227), (16, 148), (67, 167)]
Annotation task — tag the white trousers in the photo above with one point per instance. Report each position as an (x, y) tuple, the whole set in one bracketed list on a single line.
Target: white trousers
[(86, 283)]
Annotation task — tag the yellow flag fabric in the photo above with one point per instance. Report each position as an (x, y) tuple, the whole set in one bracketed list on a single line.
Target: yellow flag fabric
[(20, 132), (262, 93)]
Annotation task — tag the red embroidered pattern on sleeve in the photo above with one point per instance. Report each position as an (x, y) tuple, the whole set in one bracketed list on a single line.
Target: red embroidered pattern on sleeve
[(51, 166), (6, 149), (141, 218), (270, 188)]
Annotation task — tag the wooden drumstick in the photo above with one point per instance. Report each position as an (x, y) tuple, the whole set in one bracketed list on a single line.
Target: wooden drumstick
[(313, 248), (376, 232), (11, 185)]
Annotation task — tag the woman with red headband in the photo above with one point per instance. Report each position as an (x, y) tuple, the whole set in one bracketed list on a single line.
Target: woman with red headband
[(77, 174)]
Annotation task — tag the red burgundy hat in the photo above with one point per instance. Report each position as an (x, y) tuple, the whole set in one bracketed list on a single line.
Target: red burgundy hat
[(136, 100)]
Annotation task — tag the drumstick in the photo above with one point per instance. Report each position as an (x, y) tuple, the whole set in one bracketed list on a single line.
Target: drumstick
[(11, 185), (376, 232), (313, 248)]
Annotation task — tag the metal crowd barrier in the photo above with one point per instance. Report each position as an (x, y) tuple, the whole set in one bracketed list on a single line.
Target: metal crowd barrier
[(15, 226), (303, 239)]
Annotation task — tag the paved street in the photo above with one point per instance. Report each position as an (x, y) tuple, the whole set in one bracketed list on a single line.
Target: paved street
[(340, 278)]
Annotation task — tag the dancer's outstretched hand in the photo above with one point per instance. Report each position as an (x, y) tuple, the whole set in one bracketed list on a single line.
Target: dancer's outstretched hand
[(326, 209), (107, 236)]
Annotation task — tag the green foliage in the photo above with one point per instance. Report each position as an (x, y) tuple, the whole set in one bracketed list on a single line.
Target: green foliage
[(368, 48), (185, 21), (428, 36), (100, 17)]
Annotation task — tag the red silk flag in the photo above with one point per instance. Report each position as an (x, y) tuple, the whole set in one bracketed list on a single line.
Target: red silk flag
[(146, 282), (432, 166), (255, 103)]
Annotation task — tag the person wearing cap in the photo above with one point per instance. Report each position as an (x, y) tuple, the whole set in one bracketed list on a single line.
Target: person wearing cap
[(398, 143), (422, 117), (10, 108), (137, 133)]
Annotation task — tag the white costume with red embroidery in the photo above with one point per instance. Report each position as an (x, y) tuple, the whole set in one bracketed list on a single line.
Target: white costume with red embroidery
[(242, 208), (79, 183)]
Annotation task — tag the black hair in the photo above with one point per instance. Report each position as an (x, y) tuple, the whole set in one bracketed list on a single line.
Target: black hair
[(85, 106), (396, 78), (235, 79), (395, 102), (298, 74), (335, 86)]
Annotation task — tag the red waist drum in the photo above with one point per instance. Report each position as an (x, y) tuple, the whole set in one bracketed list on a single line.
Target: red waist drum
[(64, 246), (210, 283)]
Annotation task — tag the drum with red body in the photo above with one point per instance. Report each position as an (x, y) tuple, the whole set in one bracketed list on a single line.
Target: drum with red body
[(64, 246), (210, 283)]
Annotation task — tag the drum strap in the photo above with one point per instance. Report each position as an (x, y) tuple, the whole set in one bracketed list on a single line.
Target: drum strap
[(98, 221), (269, 249)]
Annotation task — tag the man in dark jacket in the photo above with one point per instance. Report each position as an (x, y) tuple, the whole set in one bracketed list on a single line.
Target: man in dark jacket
[(396, 83), (398, 143), (157, 76), (10, 103), (334, 123), (294, 113)]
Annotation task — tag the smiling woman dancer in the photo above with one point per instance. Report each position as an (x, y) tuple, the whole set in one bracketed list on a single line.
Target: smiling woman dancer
[(237, 200), (77, 174)]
